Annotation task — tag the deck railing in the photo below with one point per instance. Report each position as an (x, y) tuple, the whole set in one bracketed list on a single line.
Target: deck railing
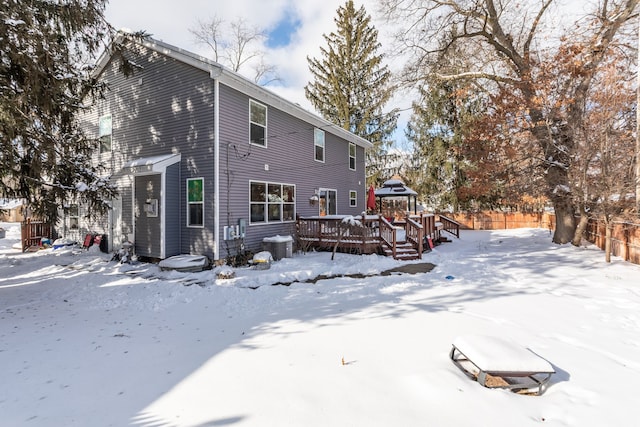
[(428, 222), (414, 234), (450, 226), (327, 231), (388, 234), (374, 235)]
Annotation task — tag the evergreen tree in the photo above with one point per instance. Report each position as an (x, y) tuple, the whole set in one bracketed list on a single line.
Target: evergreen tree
[(45, 80), (351, 86), (437, 129)]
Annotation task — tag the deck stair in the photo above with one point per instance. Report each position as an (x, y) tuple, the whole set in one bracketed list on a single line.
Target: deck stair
[(403, 240), (405, 251)]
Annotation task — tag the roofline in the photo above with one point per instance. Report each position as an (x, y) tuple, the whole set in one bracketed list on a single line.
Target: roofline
[(236, 81)]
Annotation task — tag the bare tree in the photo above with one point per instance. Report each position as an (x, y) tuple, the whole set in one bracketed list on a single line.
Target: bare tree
[(236, 45), (604, 163), (506, 45)]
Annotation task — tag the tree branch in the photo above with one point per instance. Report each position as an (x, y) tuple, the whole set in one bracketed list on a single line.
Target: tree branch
[(474, 75)]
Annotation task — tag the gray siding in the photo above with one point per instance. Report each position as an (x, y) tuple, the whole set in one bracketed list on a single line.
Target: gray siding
[(168, 107), (289, 157), (165, 107), (172, 211)]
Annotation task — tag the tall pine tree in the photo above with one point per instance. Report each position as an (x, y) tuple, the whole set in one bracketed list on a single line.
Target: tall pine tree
[(45, 80), (437, 129), (351, 86)]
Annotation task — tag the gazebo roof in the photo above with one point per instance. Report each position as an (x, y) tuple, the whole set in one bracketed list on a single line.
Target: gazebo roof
[(394, 187)]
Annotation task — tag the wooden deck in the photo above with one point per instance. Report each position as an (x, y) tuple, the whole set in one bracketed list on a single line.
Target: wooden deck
[(374, 234), (325, 231)]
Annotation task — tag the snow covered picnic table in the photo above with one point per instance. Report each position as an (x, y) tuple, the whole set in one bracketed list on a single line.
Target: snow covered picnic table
[(497, 363)]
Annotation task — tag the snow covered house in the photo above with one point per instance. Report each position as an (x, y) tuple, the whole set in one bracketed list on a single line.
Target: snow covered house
[(207, 162)]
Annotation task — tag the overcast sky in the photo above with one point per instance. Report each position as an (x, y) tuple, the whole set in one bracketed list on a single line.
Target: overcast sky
[(297, 31)]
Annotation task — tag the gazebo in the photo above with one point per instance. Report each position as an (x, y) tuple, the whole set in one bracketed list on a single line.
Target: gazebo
[(394, 199)]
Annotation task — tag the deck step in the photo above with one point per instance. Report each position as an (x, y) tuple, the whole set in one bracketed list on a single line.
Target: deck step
[(404, 251)]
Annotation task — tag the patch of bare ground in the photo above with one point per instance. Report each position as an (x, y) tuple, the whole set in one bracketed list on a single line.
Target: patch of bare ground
[(414, 268)]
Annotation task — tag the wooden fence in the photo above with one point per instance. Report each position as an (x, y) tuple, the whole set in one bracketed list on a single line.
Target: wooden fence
[(625, 236), (503, 220), (32, 233), (625, 239)]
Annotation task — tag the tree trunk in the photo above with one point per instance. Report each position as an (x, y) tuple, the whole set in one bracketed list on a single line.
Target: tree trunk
[(565, 222), (607, 239), (581, 228), (557, 146)]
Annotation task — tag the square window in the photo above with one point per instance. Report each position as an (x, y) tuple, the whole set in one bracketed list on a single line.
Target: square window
[(288, 212), (258, 192), (288, 193), (257, 213), (274, 212), (196, 215), (275, 193)]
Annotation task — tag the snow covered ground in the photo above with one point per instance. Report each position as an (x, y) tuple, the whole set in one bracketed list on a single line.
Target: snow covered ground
[(88, 342)]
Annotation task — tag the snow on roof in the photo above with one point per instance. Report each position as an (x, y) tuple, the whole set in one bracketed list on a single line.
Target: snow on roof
[(150, 164), (8, 204), (394, 187), (393, 183), (147, 161)]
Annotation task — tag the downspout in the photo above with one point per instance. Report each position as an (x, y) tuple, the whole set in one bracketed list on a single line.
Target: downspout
[(215, 73)]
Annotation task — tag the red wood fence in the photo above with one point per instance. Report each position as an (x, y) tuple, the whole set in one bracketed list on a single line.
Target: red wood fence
[(32, 233)]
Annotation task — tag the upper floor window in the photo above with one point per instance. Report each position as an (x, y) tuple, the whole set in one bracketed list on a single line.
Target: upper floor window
[(352, 156), (258, 123), (318, 144), (104, 133)]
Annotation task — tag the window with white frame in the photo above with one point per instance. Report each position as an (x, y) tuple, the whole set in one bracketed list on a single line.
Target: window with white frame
[(73, 216), (328, 204), (353, 198), (258, 123), (318, 144), (271, 202), (352, 156), (195, 202), (104, 133)]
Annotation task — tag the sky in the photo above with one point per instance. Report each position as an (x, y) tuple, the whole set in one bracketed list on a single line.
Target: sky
[(85, 341), (296, 31)]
